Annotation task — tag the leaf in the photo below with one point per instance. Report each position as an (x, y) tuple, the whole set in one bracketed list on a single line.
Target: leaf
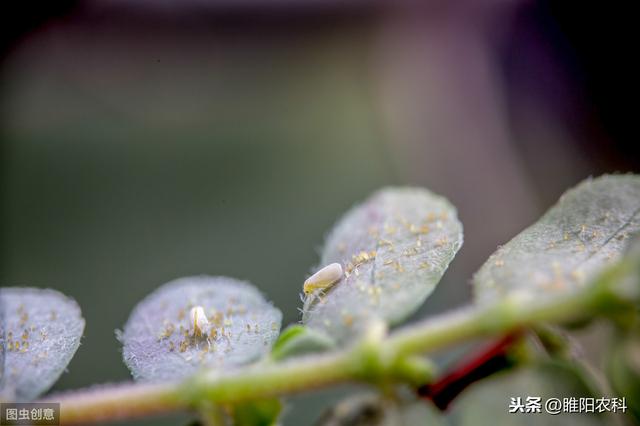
[(623, 370), (42, 331), (374, 410), (393, 248), (257, 413), (624, 278), (299, 340), (585, 231), (158, 345), (487, 401)]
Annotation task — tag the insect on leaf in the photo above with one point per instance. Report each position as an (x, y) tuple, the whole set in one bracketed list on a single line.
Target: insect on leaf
[(393, 249), (161, 343), (588, 229), (41, 333)]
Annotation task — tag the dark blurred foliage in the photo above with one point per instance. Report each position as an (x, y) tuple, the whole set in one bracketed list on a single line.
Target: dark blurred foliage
[(598, 39), (594, 40)]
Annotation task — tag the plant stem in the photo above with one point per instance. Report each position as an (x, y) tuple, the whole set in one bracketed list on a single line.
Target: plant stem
[(377, 359), (264, 380), (115, 402), (211, 415), (483, 321)]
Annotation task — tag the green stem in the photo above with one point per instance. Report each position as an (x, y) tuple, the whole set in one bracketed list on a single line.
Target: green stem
[(211, 415), (264, 380), (482, 321), (377, 359), (115, 402)]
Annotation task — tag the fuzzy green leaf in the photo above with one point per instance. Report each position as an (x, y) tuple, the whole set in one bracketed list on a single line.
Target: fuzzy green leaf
[(41, 333), (623, 369), (393, 248), (574, 241), (158, 343), (299, 340), (257, 413), (487, 401), (373, 410)]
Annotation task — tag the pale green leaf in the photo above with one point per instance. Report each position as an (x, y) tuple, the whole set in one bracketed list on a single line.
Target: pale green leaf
[(487, 401), (42, 331), (373, 410), (575, 240), (158, 344), (393, 248), (297, 340), (623, 370), (264, 412)]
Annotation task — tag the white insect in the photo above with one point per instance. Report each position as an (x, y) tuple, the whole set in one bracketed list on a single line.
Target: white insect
[(198, 322), (324, 279)]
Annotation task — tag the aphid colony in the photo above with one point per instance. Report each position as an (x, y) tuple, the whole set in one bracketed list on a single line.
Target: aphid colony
[(359, 259), (329, 275), (202, 332), (20, 344), (403, 245), (26, 342), (561, 277), (199, 330)]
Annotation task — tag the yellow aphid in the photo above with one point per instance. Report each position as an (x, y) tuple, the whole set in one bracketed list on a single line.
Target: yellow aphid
[(198, 321), (323, 279)]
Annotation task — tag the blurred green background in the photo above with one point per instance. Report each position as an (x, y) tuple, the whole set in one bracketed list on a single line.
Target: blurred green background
[(149, 142)]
